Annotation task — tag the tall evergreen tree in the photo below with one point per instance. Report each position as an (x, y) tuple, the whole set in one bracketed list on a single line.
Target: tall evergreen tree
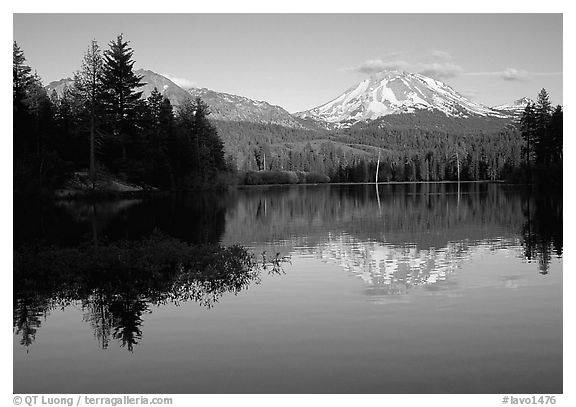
[(201, 139), (121, 96), (36, 160), (543, 106), (543, 110), (40, 110), (556, 131), (21, 80), (160, 122), (208, 136), (90, 90), (189, 138), (528, 131), (67, 116), (22, 76)]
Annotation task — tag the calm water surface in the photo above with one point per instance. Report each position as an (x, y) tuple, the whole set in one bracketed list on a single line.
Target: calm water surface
[(412, 289)]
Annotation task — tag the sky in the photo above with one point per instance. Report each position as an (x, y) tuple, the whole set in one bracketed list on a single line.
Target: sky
[(299, 61)]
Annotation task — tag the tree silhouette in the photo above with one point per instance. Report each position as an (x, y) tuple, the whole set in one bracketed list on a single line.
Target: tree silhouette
[(21, 77), (89, 88), (543, 111), (121, 97), (201, 140)]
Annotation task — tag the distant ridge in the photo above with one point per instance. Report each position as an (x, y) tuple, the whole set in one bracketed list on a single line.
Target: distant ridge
[(386, 99)]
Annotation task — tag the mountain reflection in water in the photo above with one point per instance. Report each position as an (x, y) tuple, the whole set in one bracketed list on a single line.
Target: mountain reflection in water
[(411, 219), (393, 270), (137, 253)]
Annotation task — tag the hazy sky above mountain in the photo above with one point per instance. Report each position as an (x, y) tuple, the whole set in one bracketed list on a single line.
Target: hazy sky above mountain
[(299, 61)]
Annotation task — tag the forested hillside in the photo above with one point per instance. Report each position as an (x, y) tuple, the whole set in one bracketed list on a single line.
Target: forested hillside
[(107, 122), (406, 153)]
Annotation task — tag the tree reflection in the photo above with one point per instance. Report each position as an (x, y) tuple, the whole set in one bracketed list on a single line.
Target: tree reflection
[(428, 215), (117, 282), (27, 316), (406, 235), (98, 315), (542, 228)]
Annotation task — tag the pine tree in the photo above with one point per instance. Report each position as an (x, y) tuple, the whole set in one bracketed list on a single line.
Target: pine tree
[(205, 150), (21, 80), (160, 130), (543, 111), (41, 114), (22, 77), (121, 96), (543, 106), (36, 158), (154, 102), (212, 148), (528, 131), (90, 91), (556, 133), (67, 116), (189, 138)]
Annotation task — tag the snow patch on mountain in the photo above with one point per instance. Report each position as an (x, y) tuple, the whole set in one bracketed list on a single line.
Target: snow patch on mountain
[(517, 106), (395, 92)]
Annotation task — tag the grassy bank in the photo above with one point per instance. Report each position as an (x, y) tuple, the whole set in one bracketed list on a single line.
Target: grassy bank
[(282, 177)]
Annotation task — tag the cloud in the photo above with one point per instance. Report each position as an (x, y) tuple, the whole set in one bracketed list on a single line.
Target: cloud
[(441, 55), (434, 63), (512, 74), (377, 65), (182, 82), (546, 73), (437, 64), (470, 93), (394, 55), (439, 70)]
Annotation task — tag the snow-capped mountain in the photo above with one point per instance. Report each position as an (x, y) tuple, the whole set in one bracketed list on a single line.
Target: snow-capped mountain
[(380, 99), (58, 86), (396, 92), (516, 107)]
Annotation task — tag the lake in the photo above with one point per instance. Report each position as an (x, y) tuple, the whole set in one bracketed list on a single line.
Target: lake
[(408, 288)]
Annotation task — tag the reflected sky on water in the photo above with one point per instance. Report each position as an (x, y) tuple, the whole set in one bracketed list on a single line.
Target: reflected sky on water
[(440, 288)]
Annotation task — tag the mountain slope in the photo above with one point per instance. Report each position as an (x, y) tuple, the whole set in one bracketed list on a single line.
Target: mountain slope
[(395, 92), (151, 80), (516, 107), (168, 88), (224, 106), (58, 86), (389, 99)]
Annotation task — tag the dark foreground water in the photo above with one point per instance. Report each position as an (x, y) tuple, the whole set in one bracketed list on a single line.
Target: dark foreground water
[(417, 289)]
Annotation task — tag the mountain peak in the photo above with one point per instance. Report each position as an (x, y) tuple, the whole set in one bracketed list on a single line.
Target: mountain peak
[(523, 101), (515, 107), (395, 92), (387, 74)]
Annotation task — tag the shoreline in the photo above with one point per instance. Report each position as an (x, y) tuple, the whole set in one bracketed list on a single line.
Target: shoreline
[(150, 194), (385, 183)]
